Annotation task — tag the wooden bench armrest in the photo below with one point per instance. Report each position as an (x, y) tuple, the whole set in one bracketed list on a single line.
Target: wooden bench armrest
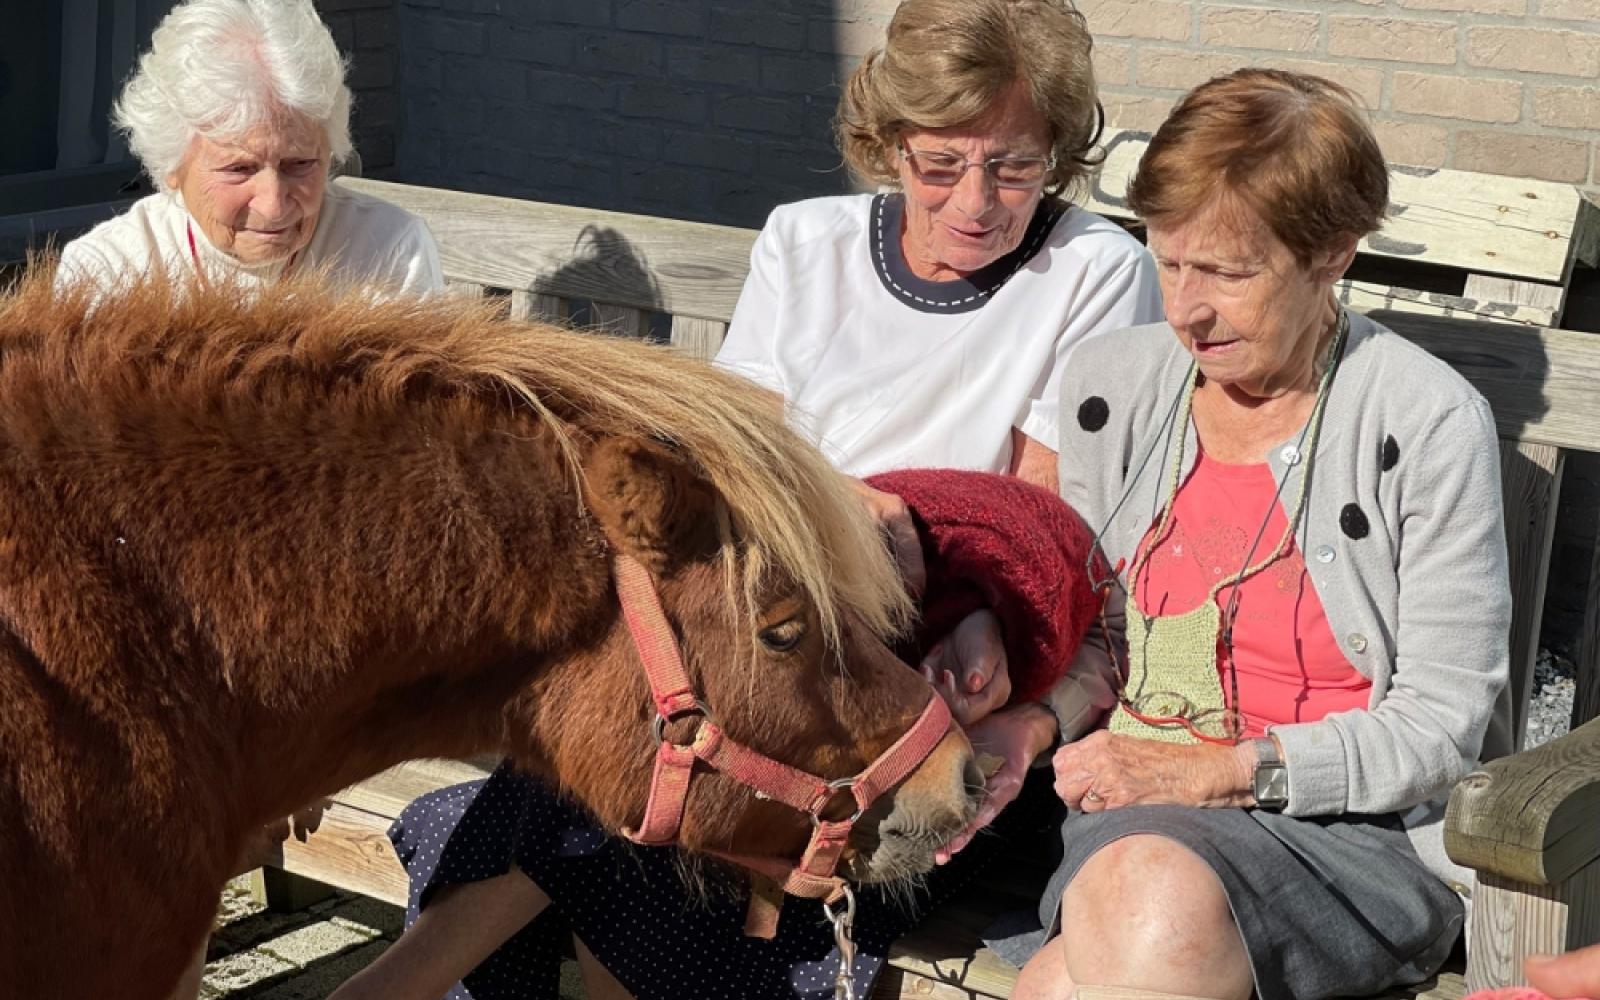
[(1531, 817)]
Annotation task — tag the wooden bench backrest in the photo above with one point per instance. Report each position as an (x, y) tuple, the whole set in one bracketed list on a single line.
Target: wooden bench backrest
[(630, 267)]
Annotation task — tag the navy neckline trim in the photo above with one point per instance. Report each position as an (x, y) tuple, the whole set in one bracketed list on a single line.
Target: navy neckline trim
[(962, 294)]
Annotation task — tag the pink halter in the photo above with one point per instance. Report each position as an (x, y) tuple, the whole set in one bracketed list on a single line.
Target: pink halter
[(815, 875)]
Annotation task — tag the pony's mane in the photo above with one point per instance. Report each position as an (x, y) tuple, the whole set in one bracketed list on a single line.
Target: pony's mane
[(789, 507)]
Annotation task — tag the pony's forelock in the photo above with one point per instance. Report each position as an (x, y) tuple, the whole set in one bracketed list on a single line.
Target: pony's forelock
[(789, 509)]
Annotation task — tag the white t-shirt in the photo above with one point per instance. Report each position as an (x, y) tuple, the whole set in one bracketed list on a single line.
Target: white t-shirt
[(362, 239), (887, 370)]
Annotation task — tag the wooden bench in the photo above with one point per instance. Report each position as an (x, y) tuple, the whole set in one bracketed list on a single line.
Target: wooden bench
[(1527, 823)]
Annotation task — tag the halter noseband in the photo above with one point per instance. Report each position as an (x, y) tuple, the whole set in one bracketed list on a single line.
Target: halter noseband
[(815, 875)]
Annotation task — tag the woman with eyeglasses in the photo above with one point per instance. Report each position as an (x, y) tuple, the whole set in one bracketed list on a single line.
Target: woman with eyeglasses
[(1308, 609), (928, 327)]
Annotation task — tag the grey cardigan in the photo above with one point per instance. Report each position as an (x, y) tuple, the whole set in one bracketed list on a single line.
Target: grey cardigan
[(1403, 540)]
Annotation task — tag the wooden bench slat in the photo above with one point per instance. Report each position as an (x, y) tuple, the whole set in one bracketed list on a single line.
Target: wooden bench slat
[(699, 337), (1530, 480), (386, 794), (1504, 362), (1453, 218), (620, 321), (1366, 297), (677, 267), (1522, 919), (533, 305), (350, 850)]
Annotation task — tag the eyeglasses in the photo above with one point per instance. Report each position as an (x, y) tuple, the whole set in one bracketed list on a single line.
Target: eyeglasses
[(1165, 709), (944, 169)]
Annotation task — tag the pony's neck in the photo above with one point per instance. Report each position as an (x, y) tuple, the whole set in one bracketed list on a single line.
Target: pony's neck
[(484, 574)]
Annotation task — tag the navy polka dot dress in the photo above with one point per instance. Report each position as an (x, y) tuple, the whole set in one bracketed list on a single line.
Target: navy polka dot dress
[(632, 907)]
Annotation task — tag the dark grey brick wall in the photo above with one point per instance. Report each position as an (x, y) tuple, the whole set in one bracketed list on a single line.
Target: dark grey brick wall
[(368, 33), (714, 110)]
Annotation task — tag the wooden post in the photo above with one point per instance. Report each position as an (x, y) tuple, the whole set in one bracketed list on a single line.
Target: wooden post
[(1512, 920)]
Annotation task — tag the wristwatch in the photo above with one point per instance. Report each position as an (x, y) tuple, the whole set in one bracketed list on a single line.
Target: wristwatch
[(1271, 783)]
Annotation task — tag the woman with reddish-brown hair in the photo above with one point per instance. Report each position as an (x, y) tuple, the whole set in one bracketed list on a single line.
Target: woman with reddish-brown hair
[(1308, 607)]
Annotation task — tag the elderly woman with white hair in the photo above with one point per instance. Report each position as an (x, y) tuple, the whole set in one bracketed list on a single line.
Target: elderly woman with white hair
[(238, 112)]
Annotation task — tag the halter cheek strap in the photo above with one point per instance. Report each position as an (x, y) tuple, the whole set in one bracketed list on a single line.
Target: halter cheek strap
[(815, 875)]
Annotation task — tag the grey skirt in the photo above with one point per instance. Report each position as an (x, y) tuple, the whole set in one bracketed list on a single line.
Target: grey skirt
[(1363, 913)]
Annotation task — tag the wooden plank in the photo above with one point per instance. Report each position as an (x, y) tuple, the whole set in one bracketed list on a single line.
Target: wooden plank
[(1481, 223), (284, 892), (350, 850), (1367, 297), (1586, 241), (1512, 920), (620, 321), (681, 268), (698, 337), (1586, 699), (1544, 385), (532, 305), (386, 794), (1531, 817), (463, 289), (1530, 481), (1536, 296)]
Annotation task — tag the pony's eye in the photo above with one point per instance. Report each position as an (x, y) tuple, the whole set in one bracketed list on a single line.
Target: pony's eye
[(784, 636)]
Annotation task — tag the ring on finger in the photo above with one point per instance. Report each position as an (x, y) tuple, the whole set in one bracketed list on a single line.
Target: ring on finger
[(1091, 796)]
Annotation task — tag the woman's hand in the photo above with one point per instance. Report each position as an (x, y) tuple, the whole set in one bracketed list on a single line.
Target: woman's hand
[(1016, 736), (1575, 974), (894, 519), (1107, 771), (968, 668)]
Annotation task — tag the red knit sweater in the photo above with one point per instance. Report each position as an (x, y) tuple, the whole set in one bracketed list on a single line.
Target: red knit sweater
[(998, 542)]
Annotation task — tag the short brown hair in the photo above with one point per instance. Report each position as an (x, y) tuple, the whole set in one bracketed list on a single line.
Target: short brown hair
[(946, 62), (1294, 149)]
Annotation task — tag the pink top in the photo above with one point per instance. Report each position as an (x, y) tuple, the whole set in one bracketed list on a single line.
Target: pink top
[(1290, 666)]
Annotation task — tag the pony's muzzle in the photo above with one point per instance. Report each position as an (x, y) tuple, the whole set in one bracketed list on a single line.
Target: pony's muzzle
[(930, 807)]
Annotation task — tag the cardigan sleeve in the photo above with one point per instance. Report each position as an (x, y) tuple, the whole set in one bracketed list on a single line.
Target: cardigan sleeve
[(1086, 465), (1451, 642)]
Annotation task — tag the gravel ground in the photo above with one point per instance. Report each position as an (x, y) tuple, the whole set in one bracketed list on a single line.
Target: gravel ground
[(1550, 710), (258, 954)]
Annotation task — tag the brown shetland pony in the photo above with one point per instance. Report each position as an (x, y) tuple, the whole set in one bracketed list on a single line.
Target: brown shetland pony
[(250, 554)]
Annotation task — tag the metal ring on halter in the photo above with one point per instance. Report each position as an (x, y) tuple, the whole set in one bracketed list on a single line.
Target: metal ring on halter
[(658, 728), (834, 786)]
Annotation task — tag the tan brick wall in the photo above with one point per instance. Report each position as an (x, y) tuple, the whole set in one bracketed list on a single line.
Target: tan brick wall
[(1503, 86)]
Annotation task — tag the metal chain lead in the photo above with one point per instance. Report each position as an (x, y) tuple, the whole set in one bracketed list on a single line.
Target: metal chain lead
[(844, 987)]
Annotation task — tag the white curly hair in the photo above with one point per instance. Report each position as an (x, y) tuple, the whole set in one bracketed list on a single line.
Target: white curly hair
[(217, 68)]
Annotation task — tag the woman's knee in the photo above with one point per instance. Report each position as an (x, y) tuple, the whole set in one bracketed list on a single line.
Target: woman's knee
[(1145, 895)]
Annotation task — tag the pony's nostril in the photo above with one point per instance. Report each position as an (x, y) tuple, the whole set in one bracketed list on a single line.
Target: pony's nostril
[(972, 774)]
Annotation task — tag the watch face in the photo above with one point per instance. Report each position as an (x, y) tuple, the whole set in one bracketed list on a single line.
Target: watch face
[(1271, 786)]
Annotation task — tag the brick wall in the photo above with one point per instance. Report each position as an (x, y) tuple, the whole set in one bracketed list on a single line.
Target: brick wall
[(707, 109), (367, 32), (1501, 86)]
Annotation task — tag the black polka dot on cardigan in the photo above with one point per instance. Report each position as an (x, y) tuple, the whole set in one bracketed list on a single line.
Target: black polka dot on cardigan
[(1390, 453), (1093, 414), (1354, 521)]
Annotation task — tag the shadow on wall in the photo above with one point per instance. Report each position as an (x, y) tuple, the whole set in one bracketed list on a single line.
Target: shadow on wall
[(713, 110)]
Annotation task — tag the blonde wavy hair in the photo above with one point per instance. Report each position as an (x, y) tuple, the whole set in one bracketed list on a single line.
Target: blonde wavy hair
[(946, 62)]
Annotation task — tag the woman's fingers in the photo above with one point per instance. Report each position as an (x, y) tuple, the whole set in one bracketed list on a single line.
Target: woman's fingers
[(968, 667), (1575, 974), (894, 520), (1000, 791)]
